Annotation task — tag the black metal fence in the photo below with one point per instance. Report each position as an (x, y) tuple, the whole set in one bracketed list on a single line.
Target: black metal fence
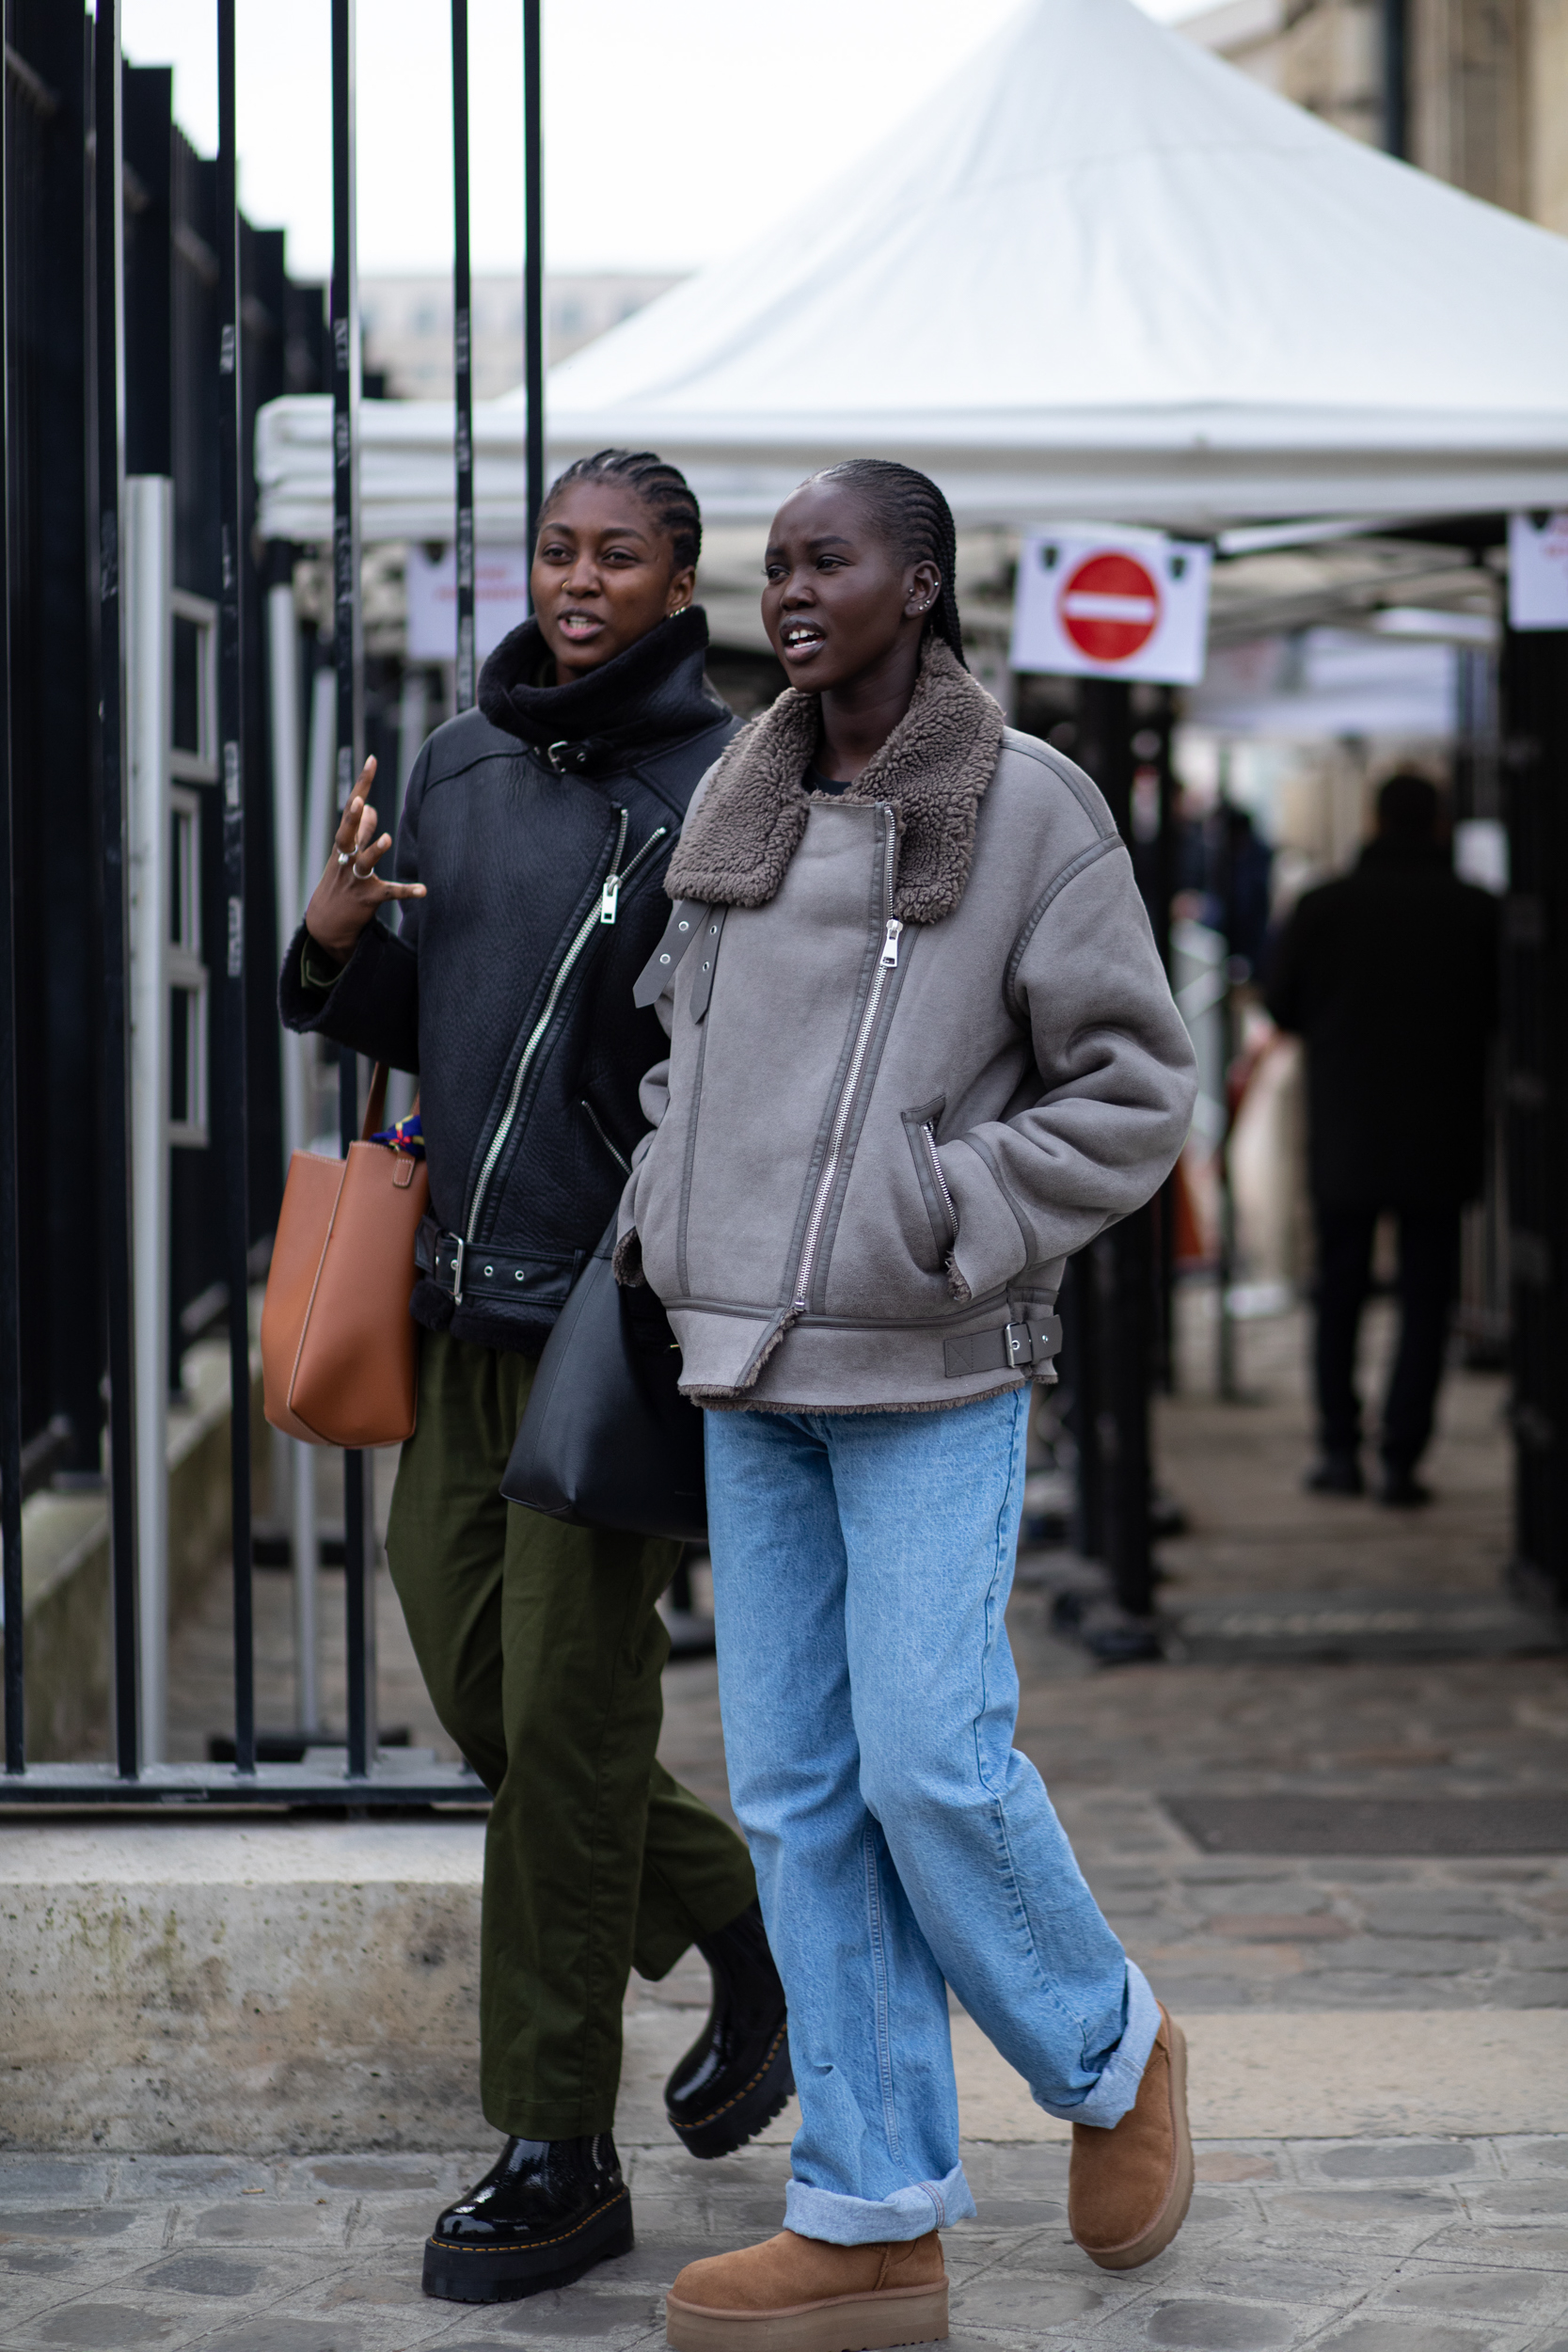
[(144, 321)]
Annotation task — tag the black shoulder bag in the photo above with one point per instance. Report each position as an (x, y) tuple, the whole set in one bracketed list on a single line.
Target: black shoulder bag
[(607, 1438)]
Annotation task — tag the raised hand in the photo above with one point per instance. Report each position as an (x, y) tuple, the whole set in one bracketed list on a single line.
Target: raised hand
[(350, 889)]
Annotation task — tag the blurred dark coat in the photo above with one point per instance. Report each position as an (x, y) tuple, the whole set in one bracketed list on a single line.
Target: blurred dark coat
[(1389, 976)]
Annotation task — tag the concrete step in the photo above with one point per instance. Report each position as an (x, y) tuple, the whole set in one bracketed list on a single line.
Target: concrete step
[(262, 1988)]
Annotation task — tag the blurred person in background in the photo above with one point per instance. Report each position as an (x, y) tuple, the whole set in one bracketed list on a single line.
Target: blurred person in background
[(1389, 977)]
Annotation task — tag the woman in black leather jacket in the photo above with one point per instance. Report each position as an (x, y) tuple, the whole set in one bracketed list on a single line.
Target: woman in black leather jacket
[(529, 862)]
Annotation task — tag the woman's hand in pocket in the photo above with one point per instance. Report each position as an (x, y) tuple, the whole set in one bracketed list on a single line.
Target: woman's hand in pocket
[(350, 889)]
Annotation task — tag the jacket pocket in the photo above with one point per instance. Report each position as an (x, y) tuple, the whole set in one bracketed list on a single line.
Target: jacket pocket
[(920, 1125), (601, 1131)]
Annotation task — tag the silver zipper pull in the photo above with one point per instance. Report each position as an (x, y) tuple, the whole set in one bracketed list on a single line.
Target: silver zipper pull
[(611, 898), (889, 946)]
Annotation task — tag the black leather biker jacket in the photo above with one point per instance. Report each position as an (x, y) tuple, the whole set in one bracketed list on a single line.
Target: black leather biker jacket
[(541, 825)]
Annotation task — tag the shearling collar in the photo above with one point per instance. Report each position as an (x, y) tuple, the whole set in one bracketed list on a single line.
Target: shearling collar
[(932, 768)]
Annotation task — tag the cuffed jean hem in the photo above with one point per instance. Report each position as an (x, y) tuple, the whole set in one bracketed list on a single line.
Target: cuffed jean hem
[(909, 2213), (1113, 2093)]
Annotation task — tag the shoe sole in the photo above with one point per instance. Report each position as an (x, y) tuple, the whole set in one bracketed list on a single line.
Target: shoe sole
[(509, 2274), (1174, 2210), (752, 2109), (849, 2322)]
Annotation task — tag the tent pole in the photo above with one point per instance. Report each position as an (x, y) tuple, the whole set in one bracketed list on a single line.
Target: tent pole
[(1121, 1277), (462, 353), (534, 265)]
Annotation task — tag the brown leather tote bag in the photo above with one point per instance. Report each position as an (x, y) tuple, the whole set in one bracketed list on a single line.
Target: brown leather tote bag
[(338, 1342)]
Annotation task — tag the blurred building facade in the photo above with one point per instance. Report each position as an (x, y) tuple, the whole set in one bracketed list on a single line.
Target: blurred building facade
[(1474, 92), (407, 324)]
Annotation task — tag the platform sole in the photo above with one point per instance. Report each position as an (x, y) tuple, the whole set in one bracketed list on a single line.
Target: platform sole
[(508, 2274), (750, 2111), (847, 2323), (1174, 2210)]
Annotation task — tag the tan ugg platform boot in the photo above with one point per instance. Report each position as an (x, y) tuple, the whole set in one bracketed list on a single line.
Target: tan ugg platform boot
[(1128, 2188), (802, 2295)]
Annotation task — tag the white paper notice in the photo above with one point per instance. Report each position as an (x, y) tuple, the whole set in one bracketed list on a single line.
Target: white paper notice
[(1538, 571), (1129, 604), (501, 601)]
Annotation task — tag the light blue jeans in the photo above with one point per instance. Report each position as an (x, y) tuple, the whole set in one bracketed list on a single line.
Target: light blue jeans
[(861, 1568)]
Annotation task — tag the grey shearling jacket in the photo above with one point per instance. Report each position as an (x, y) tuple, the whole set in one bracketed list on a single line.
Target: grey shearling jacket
[(922, 1049)]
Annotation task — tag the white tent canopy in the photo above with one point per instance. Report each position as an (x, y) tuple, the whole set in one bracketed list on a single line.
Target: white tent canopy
[(1101, 274)]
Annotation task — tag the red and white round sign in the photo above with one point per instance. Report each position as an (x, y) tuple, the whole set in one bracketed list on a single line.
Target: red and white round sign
[(1110, 606)]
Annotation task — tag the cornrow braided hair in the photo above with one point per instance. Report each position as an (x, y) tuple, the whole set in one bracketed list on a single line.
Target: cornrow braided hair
[(663, 489), (917, 520)]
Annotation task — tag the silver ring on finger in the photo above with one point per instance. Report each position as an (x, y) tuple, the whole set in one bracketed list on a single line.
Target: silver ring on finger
[(344, 856), (367, 876)]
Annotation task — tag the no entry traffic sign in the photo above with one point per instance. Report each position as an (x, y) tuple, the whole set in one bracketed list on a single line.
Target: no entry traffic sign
[(1110, 607), (1112, 603)]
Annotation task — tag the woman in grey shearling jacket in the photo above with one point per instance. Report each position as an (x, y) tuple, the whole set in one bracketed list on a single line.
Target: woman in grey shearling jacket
[(922, 1049)]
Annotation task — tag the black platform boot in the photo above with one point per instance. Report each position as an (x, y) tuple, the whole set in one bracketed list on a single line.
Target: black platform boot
[(545, 2214), (736, 2077)]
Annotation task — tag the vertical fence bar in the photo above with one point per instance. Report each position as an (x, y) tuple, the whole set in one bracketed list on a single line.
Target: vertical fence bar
[(109, 320), (291, 861), (236, 1136), (462, 356), (146, 540), (347, 650), (10, 1312), (1396, 76), (533, 261)]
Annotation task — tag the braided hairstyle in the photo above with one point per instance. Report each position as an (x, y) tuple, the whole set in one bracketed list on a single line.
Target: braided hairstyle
[(662, 488), (915, 519)]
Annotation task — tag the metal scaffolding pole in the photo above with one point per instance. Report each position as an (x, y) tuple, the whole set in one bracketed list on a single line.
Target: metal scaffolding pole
[(461, 356), (10, 1312), (348, 652), (109, 323), (236, 1139)]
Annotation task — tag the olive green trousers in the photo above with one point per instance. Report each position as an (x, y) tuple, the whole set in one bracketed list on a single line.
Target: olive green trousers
[(542, 1648)]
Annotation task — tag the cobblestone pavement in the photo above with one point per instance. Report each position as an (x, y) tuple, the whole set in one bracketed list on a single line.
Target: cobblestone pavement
[(1376, 2245), (1384, 2245)]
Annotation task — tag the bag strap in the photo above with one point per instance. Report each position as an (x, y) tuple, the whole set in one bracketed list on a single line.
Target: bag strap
[(375, 1105)]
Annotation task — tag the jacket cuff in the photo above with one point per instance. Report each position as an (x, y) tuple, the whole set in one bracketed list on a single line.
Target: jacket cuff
[(318, 973), (307, 1000), (990, 1249)]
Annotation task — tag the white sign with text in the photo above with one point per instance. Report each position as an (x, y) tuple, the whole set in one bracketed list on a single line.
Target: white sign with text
[(1538, 571), (1129, 604), (500, 599)]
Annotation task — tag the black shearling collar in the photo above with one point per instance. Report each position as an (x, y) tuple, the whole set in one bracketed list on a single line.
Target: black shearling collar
[(653, 694)]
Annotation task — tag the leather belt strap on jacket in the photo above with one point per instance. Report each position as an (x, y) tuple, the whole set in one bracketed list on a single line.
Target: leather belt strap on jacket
[(464, 1269), (1012, 1347)]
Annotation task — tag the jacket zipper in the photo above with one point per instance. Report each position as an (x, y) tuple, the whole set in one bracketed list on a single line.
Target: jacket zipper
[(887, 962), (597, 1124), (928, 1130), (603, 913)]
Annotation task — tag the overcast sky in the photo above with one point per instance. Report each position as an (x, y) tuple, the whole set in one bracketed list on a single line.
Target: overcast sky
[(675, 130)]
